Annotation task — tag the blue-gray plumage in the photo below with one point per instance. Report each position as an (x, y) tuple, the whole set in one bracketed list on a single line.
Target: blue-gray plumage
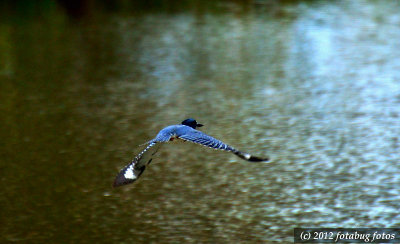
[(185, 131)]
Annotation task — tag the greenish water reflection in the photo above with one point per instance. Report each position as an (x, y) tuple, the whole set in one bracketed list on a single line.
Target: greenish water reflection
[(313, 85)]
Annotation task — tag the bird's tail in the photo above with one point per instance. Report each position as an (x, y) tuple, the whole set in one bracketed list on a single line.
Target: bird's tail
[(249, 157)]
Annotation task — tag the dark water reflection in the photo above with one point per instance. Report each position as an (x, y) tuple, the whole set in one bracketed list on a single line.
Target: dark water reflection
[(315, 86)]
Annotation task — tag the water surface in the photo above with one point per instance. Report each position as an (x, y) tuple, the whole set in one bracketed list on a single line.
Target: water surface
[(314, 85)]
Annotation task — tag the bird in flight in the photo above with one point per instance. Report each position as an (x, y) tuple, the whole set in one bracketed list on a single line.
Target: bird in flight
[(186, 131)]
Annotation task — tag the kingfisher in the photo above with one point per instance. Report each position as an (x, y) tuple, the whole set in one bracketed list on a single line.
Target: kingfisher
[(186, 131)]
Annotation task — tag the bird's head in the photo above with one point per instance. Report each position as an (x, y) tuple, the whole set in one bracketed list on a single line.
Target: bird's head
[(192, 123)]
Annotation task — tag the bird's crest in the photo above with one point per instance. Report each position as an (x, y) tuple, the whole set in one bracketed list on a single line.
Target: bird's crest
[(191, 123)]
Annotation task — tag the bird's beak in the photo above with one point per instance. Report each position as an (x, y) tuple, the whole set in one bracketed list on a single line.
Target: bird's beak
[(199, 125)]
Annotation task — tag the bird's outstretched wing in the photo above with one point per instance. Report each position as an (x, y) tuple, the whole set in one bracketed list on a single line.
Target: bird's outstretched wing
[(132, 171), (201, 138)]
